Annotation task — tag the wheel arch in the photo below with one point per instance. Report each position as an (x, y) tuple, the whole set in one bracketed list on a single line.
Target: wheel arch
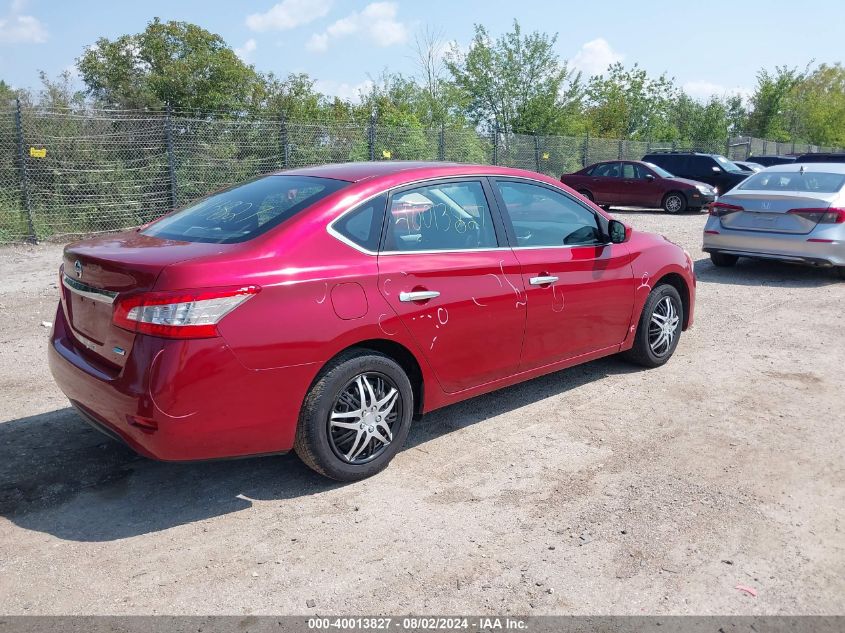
[(670, 192), (398, 353), (678, 283)]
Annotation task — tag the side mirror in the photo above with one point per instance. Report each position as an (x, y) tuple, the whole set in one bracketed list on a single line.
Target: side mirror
[(717, 169), (649, 177), (618, 232)]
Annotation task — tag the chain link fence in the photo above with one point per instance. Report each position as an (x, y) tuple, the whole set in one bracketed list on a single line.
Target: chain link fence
[(70, 172)]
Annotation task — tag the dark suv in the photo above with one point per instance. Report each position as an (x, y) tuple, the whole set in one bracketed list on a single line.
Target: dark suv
[(714, 169), (821, 157)]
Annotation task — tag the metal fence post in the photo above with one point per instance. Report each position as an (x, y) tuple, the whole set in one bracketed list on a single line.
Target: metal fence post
[(585, 153), (441, 143), (495, 143), (371, 136), (24, 174), (284, 147), (171, 158), (728, 147), (537, 152), (621, 155)]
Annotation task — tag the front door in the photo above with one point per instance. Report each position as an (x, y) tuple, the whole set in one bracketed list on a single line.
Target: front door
[(579, 289), (456, 289), (639, 190)]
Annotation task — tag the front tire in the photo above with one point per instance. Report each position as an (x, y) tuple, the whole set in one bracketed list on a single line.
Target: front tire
[(723, 260), (659, 328), (355, 417), (840, 272), (674, 202)]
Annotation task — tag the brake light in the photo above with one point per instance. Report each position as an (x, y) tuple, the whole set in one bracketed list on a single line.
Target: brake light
[(831, 215), (181, 313), (718, 209)]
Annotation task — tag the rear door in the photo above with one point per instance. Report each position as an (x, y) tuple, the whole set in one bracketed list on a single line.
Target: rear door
[(579, 289), (446, 269), (606, 183)]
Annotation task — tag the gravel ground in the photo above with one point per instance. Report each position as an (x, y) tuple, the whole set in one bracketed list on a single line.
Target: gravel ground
[(600, 489)]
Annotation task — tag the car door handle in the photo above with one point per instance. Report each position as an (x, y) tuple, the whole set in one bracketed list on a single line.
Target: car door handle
[(543, 281), (418, 295)]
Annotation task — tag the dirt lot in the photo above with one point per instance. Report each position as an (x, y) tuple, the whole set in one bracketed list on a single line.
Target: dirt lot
[(601, 489)]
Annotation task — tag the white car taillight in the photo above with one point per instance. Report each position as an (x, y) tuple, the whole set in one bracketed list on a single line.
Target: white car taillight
[(179, 314)]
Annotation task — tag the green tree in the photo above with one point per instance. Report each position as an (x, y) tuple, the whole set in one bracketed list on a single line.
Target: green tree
[(170, 62), (516, 81), (818, 104), (627, 103), (771, 116)]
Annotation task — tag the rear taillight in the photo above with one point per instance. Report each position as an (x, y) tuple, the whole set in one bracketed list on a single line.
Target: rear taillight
[(830, 215), (181, 313), (718, 209)]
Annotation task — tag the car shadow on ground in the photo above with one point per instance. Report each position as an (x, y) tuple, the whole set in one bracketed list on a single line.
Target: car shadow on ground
[(763, 272), (61, 477)]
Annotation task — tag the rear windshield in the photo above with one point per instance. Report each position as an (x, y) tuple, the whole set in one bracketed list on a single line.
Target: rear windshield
[(816, 181), (245, 211)]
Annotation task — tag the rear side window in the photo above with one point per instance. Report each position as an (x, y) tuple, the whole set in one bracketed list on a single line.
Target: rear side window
[(244, 212), (810, 181), (440, 217), (607, 170), (363, 225)]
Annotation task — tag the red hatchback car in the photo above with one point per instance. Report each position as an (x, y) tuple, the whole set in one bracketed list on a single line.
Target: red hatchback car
[(322, 309), (633, 183)]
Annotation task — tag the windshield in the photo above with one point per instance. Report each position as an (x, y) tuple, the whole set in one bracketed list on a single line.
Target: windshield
[(245, 211), (818, 182), (727, 165), (660, 171)]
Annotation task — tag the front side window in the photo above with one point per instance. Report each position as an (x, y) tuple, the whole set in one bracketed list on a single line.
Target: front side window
[(245, 211), (440, 217), (543, 217)]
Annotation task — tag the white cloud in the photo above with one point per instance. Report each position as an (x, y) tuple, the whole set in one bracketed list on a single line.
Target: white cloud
[(377, 21), (245, 51), (288, 14), (703, 90), (16, 28), (343, 90), (595, 56)]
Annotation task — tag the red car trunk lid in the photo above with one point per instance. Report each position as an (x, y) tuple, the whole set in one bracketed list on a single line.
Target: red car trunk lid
[(97, 272)]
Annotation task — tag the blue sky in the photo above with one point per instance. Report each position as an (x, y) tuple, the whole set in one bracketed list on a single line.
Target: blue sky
[(713, 46)]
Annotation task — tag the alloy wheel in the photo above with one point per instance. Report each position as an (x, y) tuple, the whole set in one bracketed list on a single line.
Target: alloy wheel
[(363, 418), (663, 326), (674, 204)]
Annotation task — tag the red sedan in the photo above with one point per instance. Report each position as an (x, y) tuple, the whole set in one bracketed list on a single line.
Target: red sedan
[(323, 309), (634, 183)]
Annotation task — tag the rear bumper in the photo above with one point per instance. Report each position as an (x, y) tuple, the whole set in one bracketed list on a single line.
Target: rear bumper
[(182, 400), (788, 247)]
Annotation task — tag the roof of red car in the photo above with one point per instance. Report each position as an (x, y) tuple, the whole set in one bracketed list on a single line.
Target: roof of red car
[(354, 172)]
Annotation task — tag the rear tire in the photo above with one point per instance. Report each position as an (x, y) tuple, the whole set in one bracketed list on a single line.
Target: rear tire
[(659, 328), (674, 202), (840, 272), (587, 195), (346, 412), (723, 260)]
